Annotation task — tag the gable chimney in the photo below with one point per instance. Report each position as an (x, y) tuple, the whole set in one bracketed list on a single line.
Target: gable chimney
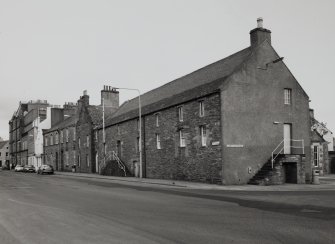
[(259, 34), (110, 98)]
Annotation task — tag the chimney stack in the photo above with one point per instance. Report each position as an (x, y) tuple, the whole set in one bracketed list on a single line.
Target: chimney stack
[(260, 22), (259, 34), (110, 98)]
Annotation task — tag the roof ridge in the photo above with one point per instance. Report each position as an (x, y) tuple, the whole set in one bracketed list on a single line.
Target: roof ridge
[(193, 72)]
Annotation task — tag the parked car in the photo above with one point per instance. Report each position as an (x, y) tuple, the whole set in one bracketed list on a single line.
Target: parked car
[(19, 168), (5, 167), (29, 168), (45, 168)]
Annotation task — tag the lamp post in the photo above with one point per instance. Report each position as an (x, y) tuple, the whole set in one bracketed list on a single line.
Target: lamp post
[(140, 124)]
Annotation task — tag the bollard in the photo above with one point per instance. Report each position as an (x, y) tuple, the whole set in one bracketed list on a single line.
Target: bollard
[(316, 174)]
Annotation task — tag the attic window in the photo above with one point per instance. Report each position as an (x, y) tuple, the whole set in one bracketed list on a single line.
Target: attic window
[(201, 109), (287, 96), (180, 114)]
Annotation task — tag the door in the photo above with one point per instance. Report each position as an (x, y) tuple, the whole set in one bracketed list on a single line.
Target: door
[(287, 138), (291, 173), (96, 163), (332, 165), (119, 149), (56, 161), (61, 161)]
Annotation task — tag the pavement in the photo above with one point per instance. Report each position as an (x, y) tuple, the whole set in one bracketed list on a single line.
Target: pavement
[(327, 183)]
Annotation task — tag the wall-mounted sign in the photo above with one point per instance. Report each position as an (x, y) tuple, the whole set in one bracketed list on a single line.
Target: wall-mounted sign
[(235, 145), (215, 143)]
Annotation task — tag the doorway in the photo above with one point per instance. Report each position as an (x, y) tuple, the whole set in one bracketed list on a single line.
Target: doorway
[(291, 173), (57, 161), (287, 138), (96, 163), (62, 161), (332, 164), (119, 151)]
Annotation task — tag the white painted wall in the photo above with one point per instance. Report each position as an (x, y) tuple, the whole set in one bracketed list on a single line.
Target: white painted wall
[(36, 159)]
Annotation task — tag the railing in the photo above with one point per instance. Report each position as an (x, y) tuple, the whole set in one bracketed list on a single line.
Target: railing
[(114, 156), (119, 162), (285, 144)]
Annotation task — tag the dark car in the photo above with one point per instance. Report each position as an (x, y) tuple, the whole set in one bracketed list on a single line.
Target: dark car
[(29, 168), (45, 168)]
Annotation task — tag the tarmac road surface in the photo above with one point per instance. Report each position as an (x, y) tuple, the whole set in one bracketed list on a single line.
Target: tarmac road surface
[(54, 209)]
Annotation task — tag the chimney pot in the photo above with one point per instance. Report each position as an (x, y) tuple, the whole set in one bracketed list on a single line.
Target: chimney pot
[(85, 92), (260, 22)]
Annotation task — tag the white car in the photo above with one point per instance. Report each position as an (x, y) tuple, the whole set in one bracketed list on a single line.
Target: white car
[(19, 168)]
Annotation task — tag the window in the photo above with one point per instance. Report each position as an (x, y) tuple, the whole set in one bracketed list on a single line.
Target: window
[(181, 139), (287, 96), (61, 136), (67, 135), (46, 140), (137, 144), (6, 154), (88, 141), (158, 141), (66, 158), (88, 160), (79, 142), (0, 154), (51, 140), (96, 135), (203, 135), (180, 114), (157, 120), (56, 138), (74, 133), (316, 156), (201, 109), (79, 160)]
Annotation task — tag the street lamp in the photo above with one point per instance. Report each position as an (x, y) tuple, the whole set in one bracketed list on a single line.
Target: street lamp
[(139, 127)]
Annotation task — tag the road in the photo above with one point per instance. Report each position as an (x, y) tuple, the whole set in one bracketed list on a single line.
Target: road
[(55, 209)]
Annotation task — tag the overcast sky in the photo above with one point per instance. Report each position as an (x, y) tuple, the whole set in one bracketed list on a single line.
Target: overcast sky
[(54, 50)]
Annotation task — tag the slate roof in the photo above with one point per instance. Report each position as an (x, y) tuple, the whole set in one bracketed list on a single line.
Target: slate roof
[(2, 144), (63, 124), (96, 114), (316, 137), (196, 84)]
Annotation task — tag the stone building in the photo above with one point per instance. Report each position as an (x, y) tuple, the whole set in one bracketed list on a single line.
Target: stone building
[(321, 146), (60, 145), (4, 154), (20, 126), (242, 119), (89, 118)]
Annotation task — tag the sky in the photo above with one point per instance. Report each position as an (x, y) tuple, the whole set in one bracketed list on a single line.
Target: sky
[(54, 50)]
